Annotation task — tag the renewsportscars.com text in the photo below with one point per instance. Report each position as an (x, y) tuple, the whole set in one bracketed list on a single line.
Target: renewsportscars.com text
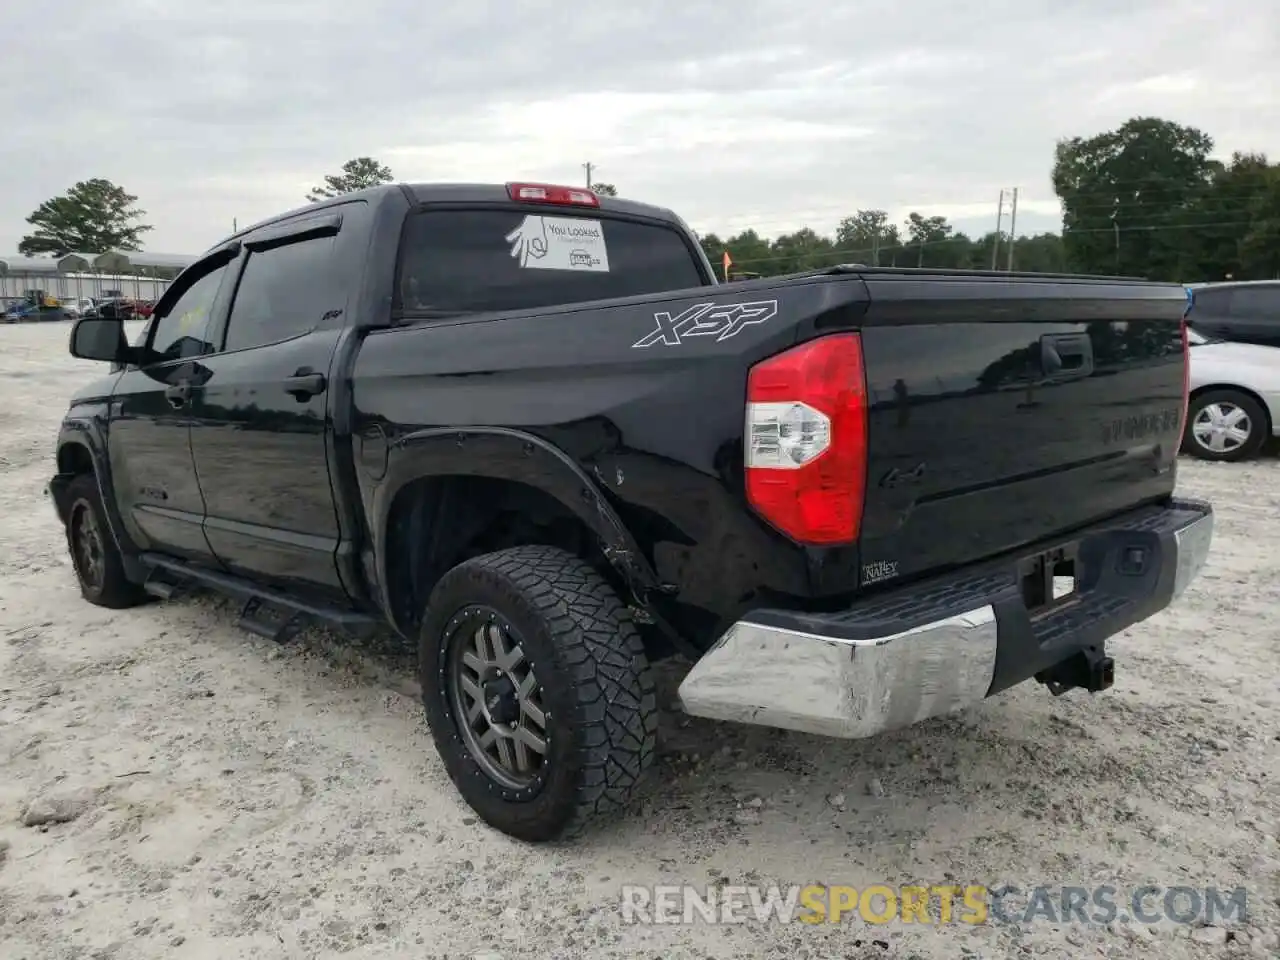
[(970, 904)]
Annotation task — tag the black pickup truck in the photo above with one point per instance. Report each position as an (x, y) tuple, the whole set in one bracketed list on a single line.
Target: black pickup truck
[(525, 427)]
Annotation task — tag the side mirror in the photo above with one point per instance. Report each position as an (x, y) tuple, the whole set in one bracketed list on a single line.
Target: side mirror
[(99, 338)]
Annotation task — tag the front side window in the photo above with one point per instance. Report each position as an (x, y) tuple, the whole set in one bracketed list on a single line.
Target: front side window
[(281, 293), (182, 331)]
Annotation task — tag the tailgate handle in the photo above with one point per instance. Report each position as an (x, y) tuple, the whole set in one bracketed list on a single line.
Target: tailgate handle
[(1066, 356)]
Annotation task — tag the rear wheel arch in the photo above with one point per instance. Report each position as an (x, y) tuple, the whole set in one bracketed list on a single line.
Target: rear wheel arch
[(448, 495)]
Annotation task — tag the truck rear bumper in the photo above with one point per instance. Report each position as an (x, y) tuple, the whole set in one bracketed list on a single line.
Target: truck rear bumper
[(939, 646)]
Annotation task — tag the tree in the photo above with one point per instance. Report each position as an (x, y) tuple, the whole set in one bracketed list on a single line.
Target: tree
[(94, 216), (806, 249), (1260, 244), (358, 174), (864, 236), (1227, 211), (749, 252), (605, 189), (1042, 253), (925, 231), (1145, 199), (1129, 196)]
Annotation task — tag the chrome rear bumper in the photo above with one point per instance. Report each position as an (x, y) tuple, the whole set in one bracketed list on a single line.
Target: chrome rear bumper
[(857, 682)]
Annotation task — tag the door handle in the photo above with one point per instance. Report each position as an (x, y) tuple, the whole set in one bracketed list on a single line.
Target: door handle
[(303, 386), (177, 395), (1066, 356)]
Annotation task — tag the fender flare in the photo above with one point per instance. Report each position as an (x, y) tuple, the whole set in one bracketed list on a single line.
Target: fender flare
[(88, 432), (505, 454)]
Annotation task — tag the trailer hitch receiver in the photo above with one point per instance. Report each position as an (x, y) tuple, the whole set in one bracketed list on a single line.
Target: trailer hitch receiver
[(1091, 669)]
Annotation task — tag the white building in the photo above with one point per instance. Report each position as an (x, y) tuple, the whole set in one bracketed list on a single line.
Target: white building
[(142, 276)]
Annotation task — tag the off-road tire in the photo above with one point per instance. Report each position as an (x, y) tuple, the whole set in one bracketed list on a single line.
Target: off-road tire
[(105, 585), (596, 685), (1259, 427)]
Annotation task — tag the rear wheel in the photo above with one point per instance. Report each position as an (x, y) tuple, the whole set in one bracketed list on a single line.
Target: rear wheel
[(537, 690), (1225, 425), (94, 553)]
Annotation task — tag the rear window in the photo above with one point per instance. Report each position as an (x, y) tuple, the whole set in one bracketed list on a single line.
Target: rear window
[(469, 261)]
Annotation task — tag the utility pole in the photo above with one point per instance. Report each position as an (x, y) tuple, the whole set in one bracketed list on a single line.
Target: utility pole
[(588, 167), (995, 247), (1013, 223)]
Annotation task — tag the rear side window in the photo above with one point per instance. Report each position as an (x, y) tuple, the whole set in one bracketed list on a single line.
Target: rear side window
[(1212, 301), (1256, 303), (469, 261), (281, 293)]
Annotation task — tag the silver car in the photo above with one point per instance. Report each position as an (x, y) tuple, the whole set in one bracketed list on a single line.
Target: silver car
[(1235, 398)]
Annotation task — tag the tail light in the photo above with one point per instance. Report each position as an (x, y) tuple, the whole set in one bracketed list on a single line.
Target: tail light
[(548, 193), (806, 440)]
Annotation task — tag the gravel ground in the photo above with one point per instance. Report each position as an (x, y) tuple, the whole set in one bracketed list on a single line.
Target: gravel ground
[(193, 791)]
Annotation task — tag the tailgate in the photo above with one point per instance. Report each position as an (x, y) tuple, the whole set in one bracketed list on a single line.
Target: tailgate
[(1004, 411)]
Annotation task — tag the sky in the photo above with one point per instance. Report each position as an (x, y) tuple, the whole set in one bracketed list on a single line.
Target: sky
[(770, 115)]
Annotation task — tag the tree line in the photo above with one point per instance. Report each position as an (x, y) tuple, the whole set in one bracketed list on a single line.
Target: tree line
[(1146, 199)]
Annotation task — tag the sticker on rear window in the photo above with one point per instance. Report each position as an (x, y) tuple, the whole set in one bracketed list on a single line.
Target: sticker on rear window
[(559, 243)]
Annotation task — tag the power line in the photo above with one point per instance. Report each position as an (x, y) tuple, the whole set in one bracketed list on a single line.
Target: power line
[(1210, 200)]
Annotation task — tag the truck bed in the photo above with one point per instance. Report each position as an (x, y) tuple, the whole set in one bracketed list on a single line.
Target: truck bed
[(973, 448)]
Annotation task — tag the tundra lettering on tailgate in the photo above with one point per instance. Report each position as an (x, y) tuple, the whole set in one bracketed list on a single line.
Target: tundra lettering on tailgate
[(1141, 425), (721, 321)]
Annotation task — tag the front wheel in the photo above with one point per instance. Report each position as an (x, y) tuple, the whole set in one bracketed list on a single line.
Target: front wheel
[(94, 554), (537, 690), (1225, 425)]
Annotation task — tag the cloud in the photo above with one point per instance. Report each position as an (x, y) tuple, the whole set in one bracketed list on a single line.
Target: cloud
[(770, 114)]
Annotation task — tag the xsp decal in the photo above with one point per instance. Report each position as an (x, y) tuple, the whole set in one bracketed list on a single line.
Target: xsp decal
[(707, 320)]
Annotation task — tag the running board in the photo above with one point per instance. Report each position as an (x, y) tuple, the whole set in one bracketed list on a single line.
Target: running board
[(266, 613), (159, 585)]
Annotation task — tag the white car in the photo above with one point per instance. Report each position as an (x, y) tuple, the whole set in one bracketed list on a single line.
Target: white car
[(1235, 398), (76, 307)]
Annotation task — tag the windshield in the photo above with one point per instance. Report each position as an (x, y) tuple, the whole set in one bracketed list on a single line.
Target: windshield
[(468, 261)]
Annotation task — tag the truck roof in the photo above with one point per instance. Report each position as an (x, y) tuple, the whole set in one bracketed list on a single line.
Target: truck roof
[(497, 193), (454, 192)]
